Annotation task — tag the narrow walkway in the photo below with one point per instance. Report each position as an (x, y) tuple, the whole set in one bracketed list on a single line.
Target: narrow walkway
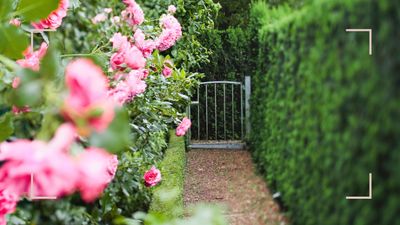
[(227, 177)]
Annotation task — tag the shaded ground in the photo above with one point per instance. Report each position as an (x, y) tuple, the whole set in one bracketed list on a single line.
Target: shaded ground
[(228, 177)]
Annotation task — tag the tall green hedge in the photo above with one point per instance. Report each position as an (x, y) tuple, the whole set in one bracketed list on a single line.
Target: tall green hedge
[(325, 113), (168, 196)]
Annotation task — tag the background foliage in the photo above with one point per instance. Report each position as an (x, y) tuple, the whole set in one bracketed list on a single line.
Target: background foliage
[(196, 18), (324, 112)]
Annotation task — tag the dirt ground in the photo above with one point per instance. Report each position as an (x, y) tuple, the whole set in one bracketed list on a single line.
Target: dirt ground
[(228, 177)]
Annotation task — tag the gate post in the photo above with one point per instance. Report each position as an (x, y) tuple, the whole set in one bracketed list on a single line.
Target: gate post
[(247, 85), (189, 115)]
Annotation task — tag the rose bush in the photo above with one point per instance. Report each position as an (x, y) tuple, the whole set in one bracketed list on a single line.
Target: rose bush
[(62, 114), (195, 16)]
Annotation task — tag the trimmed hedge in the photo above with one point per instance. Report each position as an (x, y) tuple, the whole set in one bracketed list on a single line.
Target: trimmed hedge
[(325, 113), (168, 196)]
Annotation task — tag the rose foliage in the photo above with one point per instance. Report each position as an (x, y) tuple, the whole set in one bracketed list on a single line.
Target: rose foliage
[(84, 126)]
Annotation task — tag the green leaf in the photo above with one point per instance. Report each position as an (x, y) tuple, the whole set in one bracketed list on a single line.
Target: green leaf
[(117, 137), (7, 128), (13, 41), (29, 92), (74, 3), (5, 9), (50, 65), (36, 10)]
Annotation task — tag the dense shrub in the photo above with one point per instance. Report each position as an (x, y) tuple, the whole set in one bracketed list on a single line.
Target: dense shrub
[(229, 60), (324, 112), (168, 196), (232, 14), (138, 132), (196, 18)]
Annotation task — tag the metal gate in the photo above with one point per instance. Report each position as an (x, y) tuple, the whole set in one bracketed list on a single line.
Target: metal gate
[(219, 114)]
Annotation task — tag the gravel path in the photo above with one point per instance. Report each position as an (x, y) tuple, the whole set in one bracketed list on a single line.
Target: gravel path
[(228, 177)]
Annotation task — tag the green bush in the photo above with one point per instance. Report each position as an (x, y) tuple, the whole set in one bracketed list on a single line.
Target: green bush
[(196, 17), (233, 14), (151, 115), (324, 112), (229, 48), (168, 196)]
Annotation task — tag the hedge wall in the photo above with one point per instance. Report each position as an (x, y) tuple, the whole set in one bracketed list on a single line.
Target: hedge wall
[(325, 113), (168, 196)]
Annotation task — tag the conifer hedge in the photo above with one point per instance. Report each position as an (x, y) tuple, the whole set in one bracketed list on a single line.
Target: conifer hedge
[(325, 113)]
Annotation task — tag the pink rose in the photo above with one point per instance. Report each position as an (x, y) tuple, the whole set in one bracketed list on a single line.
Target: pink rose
[(127, 89), (19, 110), (146, 46), (117, 60), (172, 31), (167, 71), (16, 22), (112, 167), (87, 104), (96, 172), (54, 171), (145, 74), (65, 135), (120, 42), (166, 40), (183, 127), (129, 2), (8, 203), (16, 82), (32, 58), (134, 58), (152, 177), (121, 94), (107, 10), (135, 82), (170, 22), (54, 20), (171, 9), (133, 14), (139, 36), (129, 55), (99, 18)]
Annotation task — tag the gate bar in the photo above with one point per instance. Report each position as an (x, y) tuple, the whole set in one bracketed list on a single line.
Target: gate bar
[(247, 83), (221, 82), (233, 113), (224, 112), (215, 113), (234, 146), (241, 110), (206, 112), (198, 112)]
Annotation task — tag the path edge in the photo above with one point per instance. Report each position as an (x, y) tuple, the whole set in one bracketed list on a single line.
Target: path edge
[(168, 196)]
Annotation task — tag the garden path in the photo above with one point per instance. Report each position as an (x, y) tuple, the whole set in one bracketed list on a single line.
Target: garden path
[(227, 177)]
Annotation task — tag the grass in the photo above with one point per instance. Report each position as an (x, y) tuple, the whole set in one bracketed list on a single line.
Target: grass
[(168, 196)]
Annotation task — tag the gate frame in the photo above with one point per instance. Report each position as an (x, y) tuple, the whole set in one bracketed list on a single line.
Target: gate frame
[(244, 120)]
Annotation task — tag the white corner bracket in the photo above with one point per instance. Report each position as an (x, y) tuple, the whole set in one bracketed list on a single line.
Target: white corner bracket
[(369, 197), (32, 193), (370, 36)]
